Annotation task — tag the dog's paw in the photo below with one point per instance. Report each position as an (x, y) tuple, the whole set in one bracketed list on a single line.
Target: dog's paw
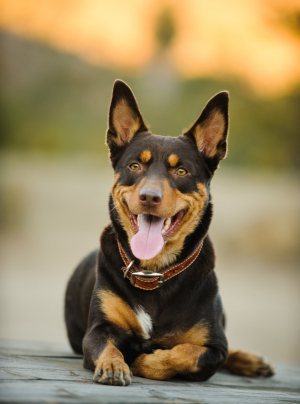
[(113, 372), (139, 366), (249, 364), (156, 366)]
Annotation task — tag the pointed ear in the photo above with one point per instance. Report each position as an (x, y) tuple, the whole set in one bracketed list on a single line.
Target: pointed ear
[(125, 119), (210, 130)]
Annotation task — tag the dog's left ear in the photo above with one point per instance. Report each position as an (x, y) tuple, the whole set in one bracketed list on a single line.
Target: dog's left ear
[(210, 130), (125, 119)]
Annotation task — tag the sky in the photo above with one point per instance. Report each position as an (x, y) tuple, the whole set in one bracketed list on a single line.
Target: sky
[(255, 40)]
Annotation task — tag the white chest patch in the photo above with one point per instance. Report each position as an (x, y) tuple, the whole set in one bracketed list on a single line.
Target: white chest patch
[(145, 321)]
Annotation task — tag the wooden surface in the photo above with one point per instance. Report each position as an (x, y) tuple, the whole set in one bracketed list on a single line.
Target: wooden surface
[(39, 373)]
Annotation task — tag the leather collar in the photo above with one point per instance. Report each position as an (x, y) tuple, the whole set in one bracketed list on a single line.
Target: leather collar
[(148, 280)]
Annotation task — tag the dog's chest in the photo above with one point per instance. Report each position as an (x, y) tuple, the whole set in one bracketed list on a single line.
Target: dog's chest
[(151, 321), (145, 321), (154, 322)]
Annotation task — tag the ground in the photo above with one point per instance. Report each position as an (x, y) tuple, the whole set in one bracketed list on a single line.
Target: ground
[(44, 373)]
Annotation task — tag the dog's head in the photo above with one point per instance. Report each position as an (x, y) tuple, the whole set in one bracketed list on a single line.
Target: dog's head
[(161, 184)]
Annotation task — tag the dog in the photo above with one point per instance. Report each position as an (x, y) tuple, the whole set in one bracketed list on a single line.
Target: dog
[(147, 303)]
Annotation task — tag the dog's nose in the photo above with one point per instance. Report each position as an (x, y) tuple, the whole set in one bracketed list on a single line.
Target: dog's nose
[(150, 197)]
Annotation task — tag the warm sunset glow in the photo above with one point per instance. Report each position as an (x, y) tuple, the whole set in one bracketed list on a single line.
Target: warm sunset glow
[(239, 37), (217, 38)]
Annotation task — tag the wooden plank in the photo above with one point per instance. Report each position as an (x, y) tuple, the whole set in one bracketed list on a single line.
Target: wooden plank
[(45, 368), (73, 392), (37, 373), (32, 348)]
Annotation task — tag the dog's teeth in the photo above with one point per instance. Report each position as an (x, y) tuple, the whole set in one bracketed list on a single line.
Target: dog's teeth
[(167, 222), (138, 220), (163, 231)]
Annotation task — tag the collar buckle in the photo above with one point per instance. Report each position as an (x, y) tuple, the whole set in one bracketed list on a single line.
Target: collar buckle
[(147, 274), (128, 268)]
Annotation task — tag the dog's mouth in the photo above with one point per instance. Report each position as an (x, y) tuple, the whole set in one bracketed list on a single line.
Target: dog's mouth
[(151, 232)]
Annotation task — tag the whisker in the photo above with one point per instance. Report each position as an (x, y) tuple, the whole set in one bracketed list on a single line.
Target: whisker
[(112, 209), (198, 217)]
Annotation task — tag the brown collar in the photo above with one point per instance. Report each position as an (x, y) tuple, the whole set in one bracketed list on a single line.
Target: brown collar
[(148, 280)]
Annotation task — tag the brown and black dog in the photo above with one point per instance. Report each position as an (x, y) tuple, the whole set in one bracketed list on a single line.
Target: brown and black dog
[(148, 298)]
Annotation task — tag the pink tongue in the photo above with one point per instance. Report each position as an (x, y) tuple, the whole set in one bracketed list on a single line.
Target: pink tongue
[(148, 242)]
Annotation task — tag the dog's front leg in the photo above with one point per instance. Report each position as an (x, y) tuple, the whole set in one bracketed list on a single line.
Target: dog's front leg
[(185, 359), (102, 355)]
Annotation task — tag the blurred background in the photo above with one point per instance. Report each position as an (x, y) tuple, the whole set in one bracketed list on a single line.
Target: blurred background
[(58, 62)]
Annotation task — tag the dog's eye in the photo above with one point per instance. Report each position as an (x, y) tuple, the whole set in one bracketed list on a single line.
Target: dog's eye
[(181, 171), (134, 166)]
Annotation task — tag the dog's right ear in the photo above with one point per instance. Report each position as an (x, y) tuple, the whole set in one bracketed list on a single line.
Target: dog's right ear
[(125, 119)]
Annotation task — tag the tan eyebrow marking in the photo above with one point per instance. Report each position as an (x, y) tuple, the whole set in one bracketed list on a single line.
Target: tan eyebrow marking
[(173, 160), (145, 156)]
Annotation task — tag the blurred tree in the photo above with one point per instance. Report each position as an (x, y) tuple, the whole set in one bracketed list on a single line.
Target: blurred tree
[(161, 79), (54, 102), (291, 20), (165, 29)]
